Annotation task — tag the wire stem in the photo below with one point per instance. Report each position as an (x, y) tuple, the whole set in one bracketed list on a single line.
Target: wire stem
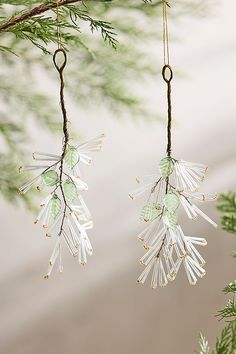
[(65, 126), (169, 125)]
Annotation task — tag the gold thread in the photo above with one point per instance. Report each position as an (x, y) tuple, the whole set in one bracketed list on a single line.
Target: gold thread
[(58, 25), (165, 34)]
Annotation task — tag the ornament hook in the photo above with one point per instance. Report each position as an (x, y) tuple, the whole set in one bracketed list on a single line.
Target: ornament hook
[(60, 67), (167, 73)]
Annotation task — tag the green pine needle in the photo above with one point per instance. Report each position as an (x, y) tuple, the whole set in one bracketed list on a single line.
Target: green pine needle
[(227, 205)]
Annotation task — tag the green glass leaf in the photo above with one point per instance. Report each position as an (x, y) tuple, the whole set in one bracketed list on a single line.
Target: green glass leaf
[(171, 202), (170, 219), (55, 206), (150, 211), (71, 157), (166, 167), (70, 190), (50, 178)]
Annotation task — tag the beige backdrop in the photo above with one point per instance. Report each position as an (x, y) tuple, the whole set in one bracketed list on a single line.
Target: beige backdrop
[(101, 309)]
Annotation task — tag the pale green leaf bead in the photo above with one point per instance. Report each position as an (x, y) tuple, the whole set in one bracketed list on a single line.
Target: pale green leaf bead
[(70, 190), (150, 211), (171, 202), (55, 206), (170, 219), (50, 178), (72, 157), (166, 167)]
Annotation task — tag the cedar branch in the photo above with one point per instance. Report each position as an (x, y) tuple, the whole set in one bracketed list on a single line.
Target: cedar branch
[(38, 10)]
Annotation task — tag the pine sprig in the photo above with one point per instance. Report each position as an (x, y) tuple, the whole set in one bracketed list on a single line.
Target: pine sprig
[(228, 311), (230, 288), (223, 342), (227, 205), (226, 343), (106, 29), (204, 347), (41, 30)]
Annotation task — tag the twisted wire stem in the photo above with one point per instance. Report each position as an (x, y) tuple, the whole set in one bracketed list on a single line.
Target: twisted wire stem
[(60, 69), (167, 78)]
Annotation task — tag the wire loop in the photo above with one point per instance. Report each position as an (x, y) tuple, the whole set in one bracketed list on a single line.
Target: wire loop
[(164, 73), (62, 66)]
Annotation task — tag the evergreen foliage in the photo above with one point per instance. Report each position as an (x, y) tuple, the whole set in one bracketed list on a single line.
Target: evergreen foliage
[(228, 208), (226, 342)]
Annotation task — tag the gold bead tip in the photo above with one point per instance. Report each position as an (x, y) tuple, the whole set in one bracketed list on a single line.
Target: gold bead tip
[(33, 155), (45, 277), (20, 169), (131, 197), (36, 221), (171, 277), (137, 179), (140, 238)]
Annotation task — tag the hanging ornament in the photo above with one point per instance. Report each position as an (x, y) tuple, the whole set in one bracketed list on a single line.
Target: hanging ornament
[(176, 184), (64, 213)]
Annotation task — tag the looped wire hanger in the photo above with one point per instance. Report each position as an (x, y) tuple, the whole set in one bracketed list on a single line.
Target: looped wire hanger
[(60, 69)]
